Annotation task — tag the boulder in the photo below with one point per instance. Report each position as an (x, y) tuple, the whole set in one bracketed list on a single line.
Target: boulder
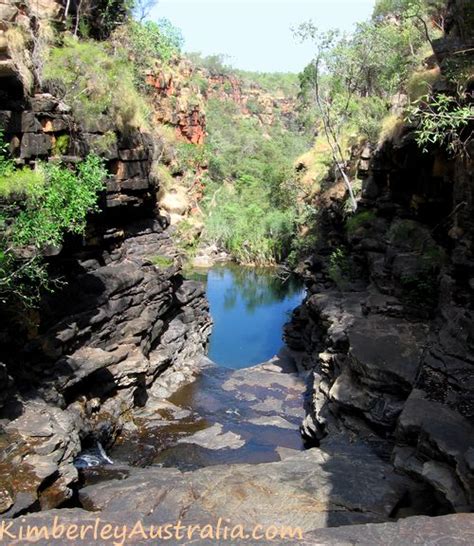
[(386, 352), (441, 441), (35, 145)]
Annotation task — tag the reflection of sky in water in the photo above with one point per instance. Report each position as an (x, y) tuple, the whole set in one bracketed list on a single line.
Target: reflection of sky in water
[(249, 308)]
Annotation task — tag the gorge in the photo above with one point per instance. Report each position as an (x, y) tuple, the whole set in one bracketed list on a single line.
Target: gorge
[(359, 429)]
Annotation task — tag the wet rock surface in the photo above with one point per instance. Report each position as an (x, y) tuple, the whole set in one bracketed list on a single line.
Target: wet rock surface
[(336, 485), (192, 449), (224, 416)]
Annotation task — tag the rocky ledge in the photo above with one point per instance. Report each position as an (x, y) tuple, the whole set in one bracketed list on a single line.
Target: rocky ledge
[(455, 529), (116, 328), (232, 416)]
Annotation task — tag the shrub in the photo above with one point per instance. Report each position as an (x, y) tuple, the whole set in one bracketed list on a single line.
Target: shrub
[(61, 145), (150, 41), (162, 262), (38, 208), (96, 82), (315, 165), (250, 203), (215, 64), (339, 268), (161, 176), (391, 128), (440, 121), (59, 205), (21, 182)]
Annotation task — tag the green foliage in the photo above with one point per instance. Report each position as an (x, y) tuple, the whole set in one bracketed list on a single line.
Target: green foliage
[(191, 156), (152, 40), (103, 143), (352, 78), (250, 200), (201, 82), (441, 121), (339, 268), (99, 18), (384, 8), (6, 164), (60, 205), (17, 182), (360, 219), (275, 83), (244, 223), (215, 64), (96, 81), (162, 262), (420, 291), (253, 107), (421, 82), (20, 182), (61, 145), (37, 209)]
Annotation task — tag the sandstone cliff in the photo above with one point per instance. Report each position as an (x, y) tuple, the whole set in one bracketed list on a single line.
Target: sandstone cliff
[(391, 346), (123, 314)]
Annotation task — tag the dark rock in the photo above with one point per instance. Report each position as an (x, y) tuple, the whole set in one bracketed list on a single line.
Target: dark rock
[(101, 145), (386, 352), (99, 124), (124, 170), (35, 145), (135, 184), (344, 486), (43, 102), (30, 123), (438, 435), (135, 154), (56, 124), (10, 121)]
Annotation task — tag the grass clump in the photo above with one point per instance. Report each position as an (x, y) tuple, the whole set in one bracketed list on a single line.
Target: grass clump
[(315, 165), (21, 182), (391, 128), (96, 81), (104, 143), (360, 219), (161, 176), (421, 83), (61, 145), (162, 261)]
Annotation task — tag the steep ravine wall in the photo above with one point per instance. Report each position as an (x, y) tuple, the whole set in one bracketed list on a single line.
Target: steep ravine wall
[(96, 346), (391, 348)]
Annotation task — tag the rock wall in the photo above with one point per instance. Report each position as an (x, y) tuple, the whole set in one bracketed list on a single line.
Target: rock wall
[(178, 102), (252, 100), (387, 326), (122, 315)]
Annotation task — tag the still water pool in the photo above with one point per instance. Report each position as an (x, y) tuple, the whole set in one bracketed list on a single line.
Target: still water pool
[(249, 307), (241, 415)]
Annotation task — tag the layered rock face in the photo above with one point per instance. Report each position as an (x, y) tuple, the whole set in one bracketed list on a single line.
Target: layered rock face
[(252, 100), (391, 348), (121, 315), (179, 101)]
